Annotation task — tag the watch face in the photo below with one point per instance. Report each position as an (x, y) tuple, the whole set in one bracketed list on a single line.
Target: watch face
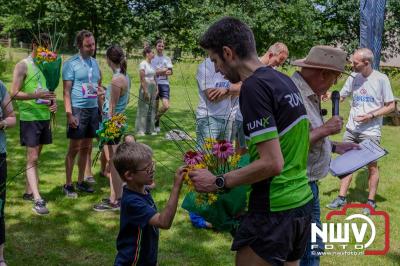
[(220, 182)]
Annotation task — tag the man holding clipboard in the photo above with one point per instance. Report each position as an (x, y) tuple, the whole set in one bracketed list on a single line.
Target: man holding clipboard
[(372, 97)]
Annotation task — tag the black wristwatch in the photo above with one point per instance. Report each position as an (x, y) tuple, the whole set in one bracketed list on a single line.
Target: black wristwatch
[(220, 182)]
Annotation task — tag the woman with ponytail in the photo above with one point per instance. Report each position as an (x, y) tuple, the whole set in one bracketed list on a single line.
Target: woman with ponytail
[(115, 102)]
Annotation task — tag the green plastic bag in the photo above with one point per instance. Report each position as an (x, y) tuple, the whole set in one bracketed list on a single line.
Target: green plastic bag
[(51, 71), (222, 213)]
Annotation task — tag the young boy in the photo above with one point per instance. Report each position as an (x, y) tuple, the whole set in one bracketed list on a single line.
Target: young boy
[(137, 241)]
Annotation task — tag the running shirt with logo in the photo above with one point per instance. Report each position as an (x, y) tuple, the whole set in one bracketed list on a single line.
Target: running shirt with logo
[(160, 62), (272, 108), (85, 76), (369, 94)]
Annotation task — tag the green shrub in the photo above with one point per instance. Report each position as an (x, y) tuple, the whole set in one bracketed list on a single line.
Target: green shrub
[(3, 62)]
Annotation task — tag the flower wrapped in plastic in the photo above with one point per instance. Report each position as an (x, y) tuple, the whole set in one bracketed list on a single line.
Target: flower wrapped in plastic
[(219, 208), (49, 63)]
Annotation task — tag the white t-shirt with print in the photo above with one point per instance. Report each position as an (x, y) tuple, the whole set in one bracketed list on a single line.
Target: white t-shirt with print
[(159, 62), (149, 71), (207, 78), (368, 94)]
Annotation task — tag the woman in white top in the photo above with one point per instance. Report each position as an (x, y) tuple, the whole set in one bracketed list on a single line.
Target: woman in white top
[(146, 111)]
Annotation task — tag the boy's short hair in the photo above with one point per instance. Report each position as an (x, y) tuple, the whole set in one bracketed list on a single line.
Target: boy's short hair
[(129, 155), (229, 32)]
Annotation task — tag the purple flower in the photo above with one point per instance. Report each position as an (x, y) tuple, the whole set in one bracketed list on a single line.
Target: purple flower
[(193, 157), (223, 149)]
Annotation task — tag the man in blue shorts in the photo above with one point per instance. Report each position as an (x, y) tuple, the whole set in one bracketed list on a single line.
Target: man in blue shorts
[(275, 230), (163, 66), (82, 78)]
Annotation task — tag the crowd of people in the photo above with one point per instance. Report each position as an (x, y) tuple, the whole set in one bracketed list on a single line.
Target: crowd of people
[(243, 98)]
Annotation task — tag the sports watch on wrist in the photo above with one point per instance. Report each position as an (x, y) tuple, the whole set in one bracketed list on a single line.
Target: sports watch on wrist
[(220, 182)]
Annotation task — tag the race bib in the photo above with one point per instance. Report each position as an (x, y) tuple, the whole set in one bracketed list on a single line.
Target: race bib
[(41, 101), (89, 90)]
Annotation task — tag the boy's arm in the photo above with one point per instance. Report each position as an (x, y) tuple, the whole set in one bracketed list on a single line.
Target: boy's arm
[(164, 219)]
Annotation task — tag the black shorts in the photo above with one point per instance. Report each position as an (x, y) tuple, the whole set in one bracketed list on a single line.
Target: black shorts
[(88, 123), (276, 236), (35, 133), (163, 91)]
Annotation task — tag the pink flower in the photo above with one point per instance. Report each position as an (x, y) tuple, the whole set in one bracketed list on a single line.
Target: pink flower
[(223, 149), (193, 157)]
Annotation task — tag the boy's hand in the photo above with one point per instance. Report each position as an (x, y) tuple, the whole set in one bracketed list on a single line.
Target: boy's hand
[(179, 176)]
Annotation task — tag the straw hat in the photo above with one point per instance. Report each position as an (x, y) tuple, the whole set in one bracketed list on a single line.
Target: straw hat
[(324, 57)]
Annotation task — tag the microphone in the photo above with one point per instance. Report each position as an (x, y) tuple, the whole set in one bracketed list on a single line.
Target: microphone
[(335, 97)]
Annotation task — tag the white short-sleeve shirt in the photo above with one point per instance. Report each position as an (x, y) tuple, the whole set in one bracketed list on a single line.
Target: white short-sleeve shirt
[(160, 62), (149, 71), (208, 78), (368, 94)]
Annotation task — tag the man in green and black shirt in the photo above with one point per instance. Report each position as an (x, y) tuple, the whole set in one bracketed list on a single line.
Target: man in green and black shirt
[(275, 230)]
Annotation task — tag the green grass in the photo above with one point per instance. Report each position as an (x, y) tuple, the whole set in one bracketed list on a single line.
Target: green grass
[(73, 234)]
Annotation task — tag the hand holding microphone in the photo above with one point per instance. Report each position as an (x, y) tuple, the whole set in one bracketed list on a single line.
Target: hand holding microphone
[(335, 123)]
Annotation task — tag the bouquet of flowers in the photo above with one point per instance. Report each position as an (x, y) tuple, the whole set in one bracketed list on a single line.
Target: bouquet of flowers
[(218, 157), (49, 63), (220, 208), (111, 129)]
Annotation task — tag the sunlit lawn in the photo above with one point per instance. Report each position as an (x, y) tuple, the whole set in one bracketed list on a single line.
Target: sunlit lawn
[(73, 234)]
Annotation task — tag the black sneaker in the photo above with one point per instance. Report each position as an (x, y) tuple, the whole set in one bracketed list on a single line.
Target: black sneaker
[(84, 187), (27, 196), (39, 206), (69, 191), (106, 205)]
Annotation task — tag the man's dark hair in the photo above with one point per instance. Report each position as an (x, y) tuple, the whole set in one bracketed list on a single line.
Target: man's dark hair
[(229, 32), (42, 40), (80, 36), (160, 41)]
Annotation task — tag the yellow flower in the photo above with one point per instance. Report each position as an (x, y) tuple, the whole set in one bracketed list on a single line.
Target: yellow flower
[(208, 143), (234, 160), (212, 197)]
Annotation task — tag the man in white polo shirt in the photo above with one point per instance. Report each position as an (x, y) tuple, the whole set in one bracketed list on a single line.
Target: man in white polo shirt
[(214, 113), (372, 98)]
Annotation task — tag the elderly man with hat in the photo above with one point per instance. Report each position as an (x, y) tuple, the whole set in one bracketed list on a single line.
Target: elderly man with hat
[(319, 71)]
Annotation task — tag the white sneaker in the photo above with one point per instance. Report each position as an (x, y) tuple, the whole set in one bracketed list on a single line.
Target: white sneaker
[(157, 129), (154, 133), (140, 134)]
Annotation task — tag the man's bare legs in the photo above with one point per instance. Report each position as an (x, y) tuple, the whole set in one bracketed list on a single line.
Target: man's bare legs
[(373, 180), (81, 147), (32, 156)]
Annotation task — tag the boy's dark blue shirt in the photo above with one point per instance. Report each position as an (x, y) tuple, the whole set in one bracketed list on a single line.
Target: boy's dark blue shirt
[(137, 241)]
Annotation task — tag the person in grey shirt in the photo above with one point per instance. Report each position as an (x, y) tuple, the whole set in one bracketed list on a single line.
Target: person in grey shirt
[(319, 71)]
